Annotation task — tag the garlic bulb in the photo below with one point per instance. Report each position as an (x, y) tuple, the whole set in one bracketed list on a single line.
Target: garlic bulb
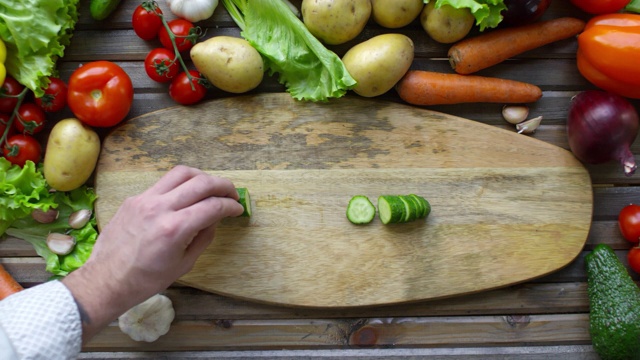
[(193, 10), (148, 320)]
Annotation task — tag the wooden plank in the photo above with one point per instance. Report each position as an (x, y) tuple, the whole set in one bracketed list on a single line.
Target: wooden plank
[(409, 332)]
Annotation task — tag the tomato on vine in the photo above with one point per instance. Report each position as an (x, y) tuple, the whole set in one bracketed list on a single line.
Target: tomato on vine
[(55, 96), (629, 222), (4, 122), (9, 92), (185, 34), (146, 20), (187, 91), (30, 119), (161, 65), (20, 148)]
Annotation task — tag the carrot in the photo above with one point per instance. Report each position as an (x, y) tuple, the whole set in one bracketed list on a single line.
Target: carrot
[(8, 285), (419, 87), (491, 48)]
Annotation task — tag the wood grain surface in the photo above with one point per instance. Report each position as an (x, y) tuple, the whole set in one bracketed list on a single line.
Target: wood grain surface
[(506, 208)]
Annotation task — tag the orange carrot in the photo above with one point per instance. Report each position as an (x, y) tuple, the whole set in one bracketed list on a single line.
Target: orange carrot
[(491, 48), (420, 87), (8, 285)]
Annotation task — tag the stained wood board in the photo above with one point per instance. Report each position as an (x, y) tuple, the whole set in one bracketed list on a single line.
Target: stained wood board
[(506, 208)]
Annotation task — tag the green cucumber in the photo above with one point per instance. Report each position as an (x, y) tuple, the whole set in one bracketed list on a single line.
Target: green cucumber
[(391, 209), (101, 9), (614, 306), (402, 208), (360, 210), (244, 200)]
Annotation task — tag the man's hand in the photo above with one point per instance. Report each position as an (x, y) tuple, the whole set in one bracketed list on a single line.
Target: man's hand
[(153, 239)]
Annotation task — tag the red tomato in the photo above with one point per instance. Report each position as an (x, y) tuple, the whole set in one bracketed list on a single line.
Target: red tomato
[(100, 93), (600, 6), (181, 91), (55, 96), (633, 256), (146, 21), (30, 119), (4, 121), (20, 148), (161, 65), (184, 31), (8, 92), (629, 222)]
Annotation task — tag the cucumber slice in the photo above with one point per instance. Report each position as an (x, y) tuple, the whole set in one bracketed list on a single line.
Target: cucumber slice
[(391, 209), (421, 205), (245, 201), (411, 211), (360, 210)]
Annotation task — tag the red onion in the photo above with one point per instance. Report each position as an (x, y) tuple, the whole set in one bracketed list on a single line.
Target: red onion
[(601, 127)]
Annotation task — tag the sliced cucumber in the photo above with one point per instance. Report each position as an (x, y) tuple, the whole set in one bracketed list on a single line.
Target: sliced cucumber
[(402, 208), (244, 200), (391, 209), (360, 210)]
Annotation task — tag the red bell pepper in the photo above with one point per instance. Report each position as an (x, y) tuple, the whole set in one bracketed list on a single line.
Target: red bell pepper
[(608, 53)]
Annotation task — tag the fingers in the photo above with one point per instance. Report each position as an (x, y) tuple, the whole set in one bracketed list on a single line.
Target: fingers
[(208, 212), (198, 188), (172, 179)]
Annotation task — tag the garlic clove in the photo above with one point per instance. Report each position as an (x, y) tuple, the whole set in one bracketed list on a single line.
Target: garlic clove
[(60, 244), (45, 217), (515, 114), (148, 320), (78, 219), (529, 126)]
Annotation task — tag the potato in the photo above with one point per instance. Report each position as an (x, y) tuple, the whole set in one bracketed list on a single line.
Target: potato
[(446, 24), (379, 63), (71, 154), (335, 21), (231, 64), (395, 14)]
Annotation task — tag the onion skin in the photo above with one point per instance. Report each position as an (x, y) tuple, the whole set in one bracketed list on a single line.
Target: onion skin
[(601, 127)]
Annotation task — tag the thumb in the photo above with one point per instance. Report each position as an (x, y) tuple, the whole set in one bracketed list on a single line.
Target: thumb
[(199, 244)]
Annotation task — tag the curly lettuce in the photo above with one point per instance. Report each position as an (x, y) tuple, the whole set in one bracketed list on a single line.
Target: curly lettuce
[(486, 12), (24, 189), (36, 33), (306, 67)]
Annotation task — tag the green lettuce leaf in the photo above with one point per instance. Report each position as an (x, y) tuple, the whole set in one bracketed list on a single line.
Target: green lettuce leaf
[(486, 12), (305, 66), (22, 189), (36, 233), (36, 33)]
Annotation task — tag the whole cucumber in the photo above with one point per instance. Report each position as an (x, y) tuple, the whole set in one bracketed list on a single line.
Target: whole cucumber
[(100, 9)]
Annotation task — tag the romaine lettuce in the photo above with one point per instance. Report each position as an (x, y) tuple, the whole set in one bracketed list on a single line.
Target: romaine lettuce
[(36, 33), (306, 67)]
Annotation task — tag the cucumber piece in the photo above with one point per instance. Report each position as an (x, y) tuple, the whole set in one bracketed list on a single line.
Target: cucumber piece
[(101, 9), (424, 205), (360, 210), (391, 209), (411, 213), (244, 200), (421, 208)]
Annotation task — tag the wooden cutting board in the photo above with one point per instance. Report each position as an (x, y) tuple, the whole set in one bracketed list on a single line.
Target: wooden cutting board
[(506, 208)]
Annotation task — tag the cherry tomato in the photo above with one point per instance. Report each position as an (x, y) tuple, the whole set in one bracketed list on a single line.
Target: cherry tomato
[(30, 119), (11, 87), (180, 89), (20, 148), (629, 222), (4, 121), (145, 20), (100, 93), (185, 32), (55, 96), (633, 257), (161, 65), (600, 6)]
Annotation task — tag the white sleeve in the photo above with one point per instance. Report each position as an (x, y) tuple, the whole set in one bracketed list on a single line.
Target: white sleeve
[(42, 322)]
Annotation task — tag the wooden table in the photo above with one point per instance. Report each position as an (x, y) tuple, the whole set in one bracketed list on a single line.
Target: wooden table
[(545, 318)]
